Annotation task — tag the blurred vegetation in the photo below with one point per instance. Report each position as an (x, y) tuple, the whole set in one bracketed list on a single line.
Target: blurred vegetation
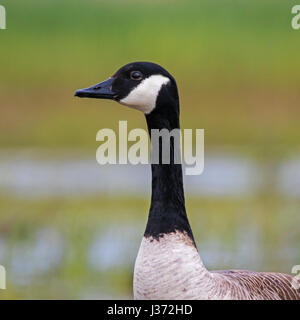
[(236, 62), (223, 222)]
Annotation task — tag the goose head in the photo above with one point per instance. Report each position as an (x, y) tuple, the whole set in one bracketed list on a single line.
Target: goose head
[(139, 85)]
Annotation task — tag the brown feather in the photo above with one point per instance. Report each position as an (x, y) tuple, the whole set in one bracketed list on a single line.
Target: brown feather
[(260, 285)]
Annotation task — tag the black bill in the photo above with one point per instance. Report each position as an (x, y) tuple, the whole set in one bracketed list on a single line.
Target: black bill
[(101, 90)]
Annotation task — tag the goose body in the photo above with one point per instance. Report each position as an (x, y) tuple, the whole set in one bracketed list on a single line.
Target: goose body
[(171, 269), (168, 265)]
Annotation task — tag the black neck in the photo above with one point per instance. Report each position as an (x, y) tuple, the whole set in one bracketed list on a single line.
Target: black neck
[(167, 212)]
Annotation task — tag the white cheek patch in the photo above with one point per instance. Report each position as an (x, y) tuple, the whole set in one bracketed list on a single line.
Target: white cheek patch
[(144, 96)]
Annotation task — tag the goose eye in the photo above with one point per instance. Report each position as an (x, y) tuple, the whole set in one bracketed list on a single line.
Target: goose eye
[(136, 75)]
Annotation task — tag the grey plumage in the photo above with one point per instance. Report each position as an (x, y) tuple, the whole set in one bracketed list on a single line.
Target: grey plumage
[(249, 285)]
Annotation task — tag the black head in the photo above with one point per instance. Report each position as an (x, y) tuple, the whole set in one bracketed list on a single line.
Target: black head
[(136, 85)]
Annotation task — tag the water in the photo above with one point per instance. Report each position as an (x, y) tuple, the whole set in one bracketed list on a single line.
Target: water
[(288, 178), (224, 175), (114, 247), (28, 259)]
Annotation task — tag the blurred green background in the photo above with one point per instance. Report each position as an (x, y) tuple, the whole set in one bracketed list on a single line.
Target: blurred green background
[(71, 229)]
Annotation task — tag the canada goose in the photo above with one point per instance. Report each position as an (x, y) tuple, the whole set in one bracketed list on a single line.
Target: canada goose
[(168, 265)]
